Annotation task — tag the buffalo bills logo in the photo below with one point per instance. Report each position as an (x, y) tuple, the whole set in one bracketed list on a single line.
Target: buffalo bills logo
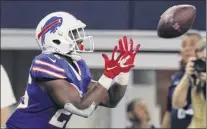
[(50, 26)]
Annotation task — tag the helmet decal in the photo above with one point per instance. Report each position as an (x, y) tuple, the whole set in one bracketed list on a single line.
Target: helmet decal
[(53, 34), (50, 26)]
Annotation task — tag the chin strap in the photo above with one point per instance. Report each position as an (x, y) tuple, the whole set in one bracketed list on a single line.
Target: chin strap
[(74, 55)]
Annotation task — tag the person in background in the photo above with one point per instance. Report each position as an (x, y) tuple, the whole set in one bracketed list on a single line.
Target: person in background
[(194, 80), (178, 118), (138, 114), (7, 97)]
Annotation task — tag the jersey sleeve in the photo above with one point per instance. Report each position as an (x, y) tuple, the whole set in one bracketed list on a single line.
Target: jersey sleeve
[(47, 68)]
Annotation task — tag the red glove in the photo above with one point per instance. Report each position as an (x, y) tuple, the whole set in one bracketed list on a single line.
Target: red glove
[(127, 52), (124, 62), (112, 67), (111, 70), (119, 66)]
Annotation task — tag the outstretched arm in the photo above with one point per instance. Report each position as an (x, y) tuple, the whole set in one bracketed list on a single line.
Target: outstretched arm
[(118, 88), (114, 95), (66, 95)]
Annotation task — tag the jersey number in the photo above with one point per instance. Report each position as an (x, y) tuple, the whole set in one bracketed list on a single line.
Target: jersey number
[(60, 118)]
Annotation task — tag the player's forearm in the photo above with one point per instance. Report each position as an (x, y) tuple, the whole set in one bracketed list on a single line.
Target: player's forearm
[(88, 103), (180, 93), (96, 94), (117, 90), (116, 93)]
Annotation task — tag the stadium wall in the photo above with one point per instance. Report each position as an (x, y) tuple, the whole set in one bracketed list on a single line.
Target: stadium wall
[(154, 51)]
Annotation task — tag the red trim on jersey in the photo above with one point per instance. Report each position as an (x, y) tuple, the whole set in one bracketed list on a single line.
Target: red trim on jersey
[(48, 72), (49, 65)]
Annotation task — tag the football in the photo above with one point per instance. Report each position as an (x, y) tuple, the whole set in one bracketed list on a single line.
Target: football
[(176, 21)]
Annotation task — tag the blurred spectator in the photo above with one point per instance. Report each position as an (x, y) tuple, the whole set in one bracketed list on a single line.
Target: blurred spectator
[(138, 115), (7, 97), (194, 80), (181, 118)]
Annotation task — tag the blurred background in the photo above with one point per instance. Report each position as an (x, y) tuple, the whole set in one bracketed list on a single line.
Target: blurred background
[(107, 21)]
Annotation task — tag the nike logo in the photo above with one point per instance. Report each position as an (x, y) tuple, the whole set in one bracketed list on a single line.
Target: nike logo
[(122, 61), (53, 60), (111, 68)]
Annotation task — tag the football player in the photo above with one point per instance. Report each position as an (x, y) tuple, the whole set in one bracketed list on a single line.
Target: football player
[(60, 83)]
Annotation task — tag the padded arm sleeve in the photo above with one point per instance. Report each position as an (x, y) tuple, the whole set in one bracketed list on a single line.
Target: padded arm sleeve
[(80, 112)]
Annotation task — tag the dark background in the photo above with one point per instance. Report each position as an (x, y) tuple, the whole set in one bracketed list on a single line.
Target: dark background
[(140, 14)]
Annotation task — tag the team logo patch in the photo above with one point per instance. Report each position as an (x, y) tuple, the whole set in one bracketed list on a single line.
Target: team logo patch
[(50, 26)]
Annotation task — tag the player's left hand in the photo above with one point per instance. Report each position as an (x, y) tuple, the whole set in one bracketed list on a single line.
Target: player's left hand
[(127, 54)]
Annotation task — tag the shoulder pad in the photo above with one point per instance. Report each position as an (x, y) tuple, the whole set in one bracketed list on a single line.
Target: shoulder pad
[(47, 66)]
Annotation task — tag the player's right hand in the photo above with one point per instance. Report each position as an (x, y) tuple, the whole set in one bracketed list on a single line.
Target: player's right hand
[(127, 51)]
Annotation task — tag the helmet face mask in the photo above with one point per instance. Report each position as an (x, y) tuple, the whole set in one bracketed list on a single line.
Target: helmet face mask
[(60, 32), (82, 42)]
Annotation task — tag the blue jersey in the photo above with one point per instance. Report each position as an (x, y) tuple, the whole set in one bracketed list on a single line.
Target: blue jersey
[(36, 108), (180, 118)]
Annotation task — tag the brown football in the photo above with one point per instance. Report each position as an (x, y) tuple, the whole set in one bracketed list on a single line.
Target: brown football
[(176, 21)]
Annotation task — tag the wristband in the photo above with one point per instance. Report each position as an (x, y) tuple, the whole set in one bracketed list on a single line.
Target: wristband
[(105, 81), (122, 78)]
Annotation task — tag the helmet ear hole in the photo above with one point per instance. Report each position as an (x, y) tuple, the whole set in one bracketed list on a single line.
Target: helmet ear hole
[(56, 41)]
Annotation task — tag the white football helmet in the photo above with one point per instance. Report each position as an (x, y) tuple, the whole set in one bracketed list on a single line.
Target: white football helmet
[(61, 32)]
